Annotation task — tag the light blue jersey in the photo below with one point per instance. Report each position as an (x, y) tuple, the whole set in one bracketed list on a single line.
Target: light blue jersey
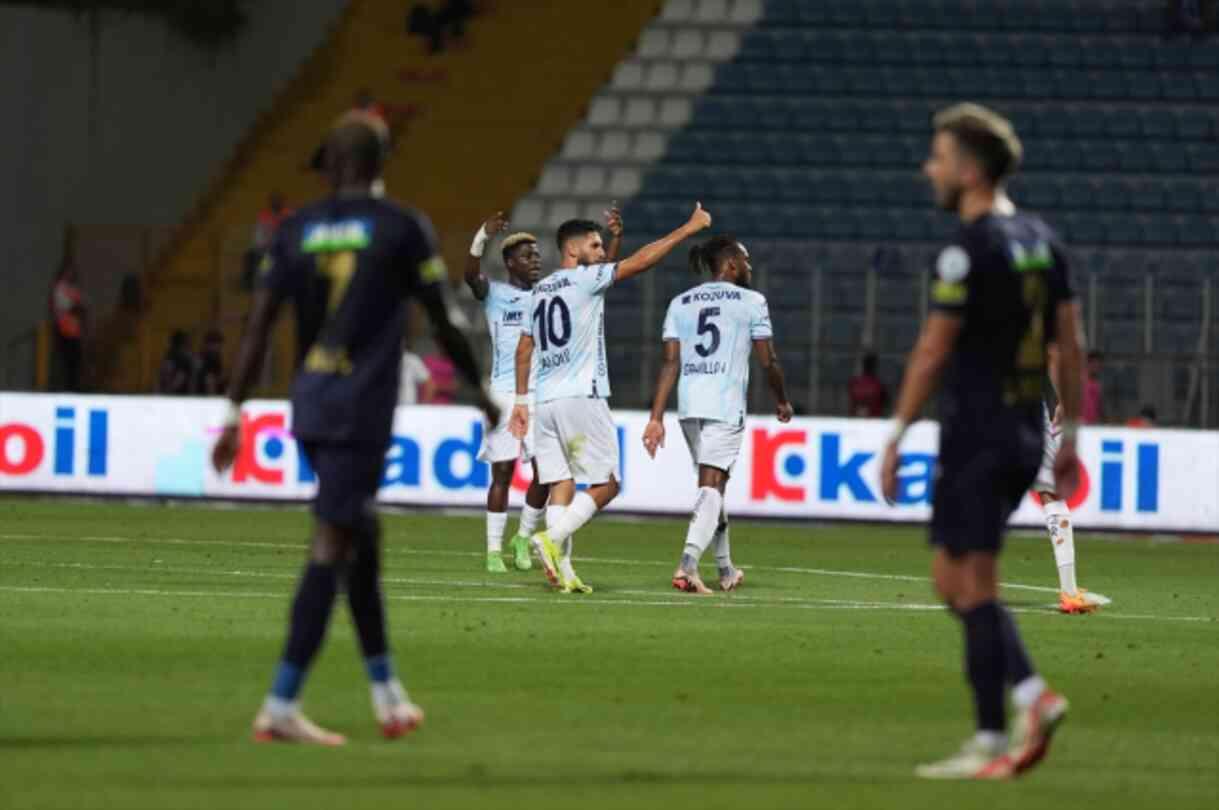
[(507, 309), (567, 322), (716, 323)]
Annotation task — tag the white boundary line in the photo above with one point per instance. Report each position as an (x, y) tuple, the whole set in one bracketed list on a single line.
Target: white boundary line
[(651, 597)]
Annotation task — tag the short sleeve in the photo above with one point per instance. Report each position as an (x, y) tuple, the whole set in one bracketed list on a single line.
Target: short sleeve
[(598, 277), (950, 289), (669, 331), (759, 320), (527, 322), (419, 369)]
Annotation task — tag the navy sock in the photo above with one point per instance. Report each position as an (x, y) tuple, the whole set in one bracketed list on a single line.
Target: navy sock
[(310, 615), (984, 664), (1016, 663), (367, 606)]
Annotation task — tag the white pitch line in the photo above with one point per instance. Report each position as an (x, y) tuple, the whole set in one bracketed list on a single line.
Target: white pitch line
[(594, 560)]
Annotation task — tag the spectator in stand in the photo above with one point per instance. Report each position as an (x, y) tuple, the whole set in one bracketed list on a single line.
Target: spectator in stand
[(178, 368), (1145, 419), (441, 27), (444, 377), (68, 323), (366, 103), (869, 396), (210, 379), (269, 219), (415, 385), (1092, 405)]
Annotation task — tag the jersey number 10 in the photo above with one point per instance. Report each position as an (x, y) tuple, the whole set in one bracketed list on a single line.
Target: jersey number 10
[(552, 324)]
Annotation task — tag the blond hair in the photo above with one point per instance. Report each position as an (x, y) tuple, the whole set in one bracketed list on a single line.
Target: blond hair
[(986, 135)]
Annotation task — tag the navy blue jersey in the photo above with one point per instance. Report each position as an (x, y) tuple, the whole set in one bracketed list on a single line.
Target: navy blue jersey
[(1005, 276), (348, 264)]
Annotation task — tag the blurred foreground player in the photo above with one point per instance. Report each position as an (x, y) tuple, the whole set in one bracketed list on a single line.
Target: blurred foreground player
[(1001, 295), (348, 263), (709, 333)]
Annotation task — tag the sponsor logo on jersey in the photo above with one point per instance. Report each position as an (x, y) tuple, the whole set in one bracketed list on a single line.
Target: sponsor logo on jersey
[(331, 237)]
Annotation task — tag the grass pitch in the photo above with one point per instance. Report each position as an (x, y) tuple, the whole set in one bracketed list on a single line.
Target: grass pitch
[(137, 642)]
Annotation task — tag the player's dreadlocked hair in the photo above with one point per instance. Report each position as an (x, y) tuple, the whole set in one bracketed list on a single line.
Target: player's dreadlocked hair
[(707, 257), (986, 135)]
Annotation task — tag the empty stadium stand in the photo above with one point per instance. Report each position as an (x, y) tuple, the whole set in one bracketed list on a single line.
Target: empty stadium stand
[(802, 126)]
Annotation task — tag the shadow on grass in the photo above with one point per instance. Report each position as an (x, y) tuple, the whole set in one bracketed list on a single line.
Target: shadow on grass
[(63, 741)]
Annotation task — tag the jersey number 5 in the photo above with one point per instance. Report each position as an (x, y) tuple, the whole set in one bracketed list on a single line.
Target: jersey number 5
[(706, 327), (552, 324)]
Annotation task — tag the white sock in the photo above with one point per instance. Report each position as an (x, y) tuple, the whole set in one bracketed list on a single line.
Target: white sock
[(553, 515), (530, 518), (496, 523), (723, 550), (993, 740), (279, 708), (565, 567), (702, 525), (579, 511), (1025, 693), (388, 694), (1062, 538)]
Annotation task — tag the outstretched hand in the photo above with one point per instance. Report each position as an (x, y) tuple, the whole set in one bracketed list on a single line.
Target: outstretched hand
[(613, 220), (496, 223), (226, 449), (700, 219), (653, 437)]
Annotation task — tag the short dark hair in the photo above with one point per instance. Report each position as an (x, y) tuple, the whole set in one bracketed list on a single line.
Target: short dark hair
[(574, 229), (986, 135), (708, 256)]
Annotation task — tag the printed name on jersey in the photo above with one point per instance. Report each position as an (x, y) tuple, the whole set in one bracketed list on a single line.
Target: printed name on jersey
[(554, 360), (711, 295), (331, 237), (705, 367), (551, 286)]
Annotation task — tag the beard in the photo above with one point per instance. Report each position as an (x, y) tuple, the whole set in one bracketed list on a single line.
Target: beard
[(950, 198)]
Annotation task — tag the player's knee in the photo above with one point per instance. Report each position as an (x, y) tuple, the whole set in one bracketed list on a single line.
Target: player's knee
[(501, 474), (612, 489)]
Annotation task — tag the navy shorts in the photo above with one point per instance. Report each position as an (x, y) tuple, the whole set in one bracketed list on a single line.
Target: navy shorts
[(348, 477), (978, 485)]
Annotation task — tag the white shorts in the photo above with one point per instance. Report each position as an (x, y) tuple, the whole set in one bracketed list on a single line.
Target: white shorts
[(712, 442), (1045, 476), (500, 445), (576, 438)]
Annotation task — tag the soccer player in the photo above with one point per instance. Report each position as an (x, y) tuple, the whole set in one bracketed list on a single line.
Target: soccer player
[(1071, 597), (347, 263), (1001, 295), (507, 307), (575, 434), (708, 334)]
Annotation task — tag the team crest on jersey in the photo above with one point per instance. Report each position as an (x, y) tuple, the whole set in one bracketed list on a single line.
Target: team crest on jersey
[(331, 237), (952, 265)]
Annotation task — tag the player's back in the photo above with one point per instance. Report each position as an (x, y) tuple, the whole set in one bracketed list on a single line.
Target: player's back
[(716, 323), (1005, 276), (567, 323), (348, 264)]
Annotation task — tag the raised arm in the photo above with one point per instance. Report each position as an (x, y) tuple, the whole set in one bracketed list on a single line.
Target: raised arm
[(474, 273), (768, 358), (653, 253), (613, 222), (927, 360), (654, 432)]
